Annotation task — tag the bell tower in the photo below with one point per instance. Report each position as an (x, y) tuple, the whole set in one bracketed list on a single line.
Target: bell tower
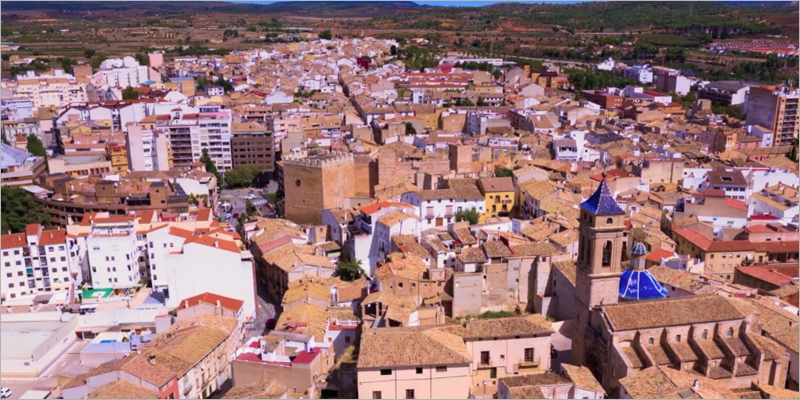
[(600, 248)]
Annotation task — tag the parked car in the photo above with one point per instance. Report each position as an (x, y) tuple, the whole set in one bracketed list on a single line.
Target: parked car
[(250, 197), (5, 393), (270, 323), (236, 215), (228, 216)]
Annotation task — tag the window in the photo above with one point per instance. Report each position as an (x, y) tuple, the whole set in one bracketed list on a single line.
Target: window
[(529, 355), (410, 393), (400, 285), (376, 395), (493, 373), (704, 336), (11, 285), (61, 248), (9, 275), (609, 221), (63, 259), (485, 357), (730, 332), (607, 253), (650, 341), (155, 278), (16, 252), (297, 183), (419, 370), (346, 338), (386, 372), (677, 338), (441, 368)]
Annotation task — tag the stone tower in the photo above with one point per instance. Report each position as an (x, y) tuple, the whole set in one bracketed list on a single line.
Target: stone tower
[(315, 183), (598, 270)]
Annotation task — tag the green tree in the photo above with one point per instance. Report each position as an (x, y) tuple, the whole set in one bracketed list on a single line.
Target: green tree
[(89, 53), (468, 103), (210, 167), (349, 270), (19, 209), (326, 34), (410, 130), (142, 58), (481, 103), (468, 215), (501, 172), (35, 146), (67, 63), (241, 176), (130, 94), (497, 74)]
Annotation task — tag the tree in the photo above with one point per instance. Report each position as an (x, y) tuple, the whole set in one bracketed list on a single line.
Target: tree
[(410, 130), (89, 53), (501, 172), (142, 58), (210, 167), (67, 63), (241, 176), (35, 146), (468, 215), (481, 103), (468, 103), (130, 94), (19, 209), (326, 34), (497, 74), (349, 270)]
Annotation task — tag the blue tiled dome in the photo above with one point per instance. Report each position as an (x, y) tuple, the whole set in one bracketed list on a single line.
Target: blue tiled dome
[(638, 249), (640, 285)]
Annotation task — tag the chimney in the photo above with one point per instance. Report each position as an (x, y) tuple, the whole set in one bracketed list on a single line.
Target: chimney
[(152, 359)]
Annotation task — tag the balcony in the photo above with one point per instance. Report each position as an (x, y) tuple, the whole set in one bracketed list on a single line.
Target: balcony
[(525, 365)]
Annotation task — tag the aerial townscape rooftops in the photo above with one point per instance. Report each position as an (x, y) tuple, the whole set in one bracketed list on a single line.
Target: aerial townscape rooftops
[(406, 200)]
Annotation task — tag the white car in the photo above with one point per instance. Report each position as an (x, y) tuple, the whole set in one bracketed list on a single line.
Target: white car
[(228, 216), (250, 197), (5, 393)]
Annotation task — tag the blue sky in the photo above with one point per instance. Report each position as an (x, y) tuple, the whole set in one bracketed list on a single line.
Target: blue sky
[(447, 3)]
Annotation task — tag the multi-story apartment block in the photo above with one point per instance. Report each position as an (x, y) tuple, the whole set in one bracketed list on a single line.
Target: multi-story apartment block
[(148, 150), (190, 134), (252, 144), (113, 253), (438, 208), (40, 261), (125, 72), (775, 108), (56, 90)]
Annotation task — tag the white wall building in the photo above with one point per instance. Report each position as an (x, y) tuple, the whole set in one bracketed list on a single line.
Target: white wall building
[(641, 73), (113, 253)]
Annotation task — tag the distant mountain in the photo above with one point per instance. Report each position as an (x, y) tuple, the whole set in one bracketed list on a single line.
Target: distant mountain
[(339, 8), (762, 3)]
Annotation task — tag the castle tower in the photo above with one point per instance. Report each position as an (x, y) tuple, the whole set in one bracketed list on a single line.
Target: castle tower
[(598, 267)]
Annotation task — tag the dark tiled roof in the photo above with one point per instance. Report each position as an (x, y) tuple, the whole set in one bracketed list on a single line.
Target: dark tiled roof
[(601, 202)]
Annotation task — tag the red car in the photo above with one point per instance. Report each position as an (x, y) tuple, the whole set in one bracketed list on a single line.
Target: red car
[(235, 215), (270, 323)]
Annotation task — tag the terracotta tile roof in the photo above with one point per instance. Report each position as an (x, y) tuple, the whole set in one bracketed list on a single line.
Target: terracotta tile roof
[(568, 269), (307, 289), (472, 255), (663, 382), (679, 279), (405, 266), (534, 324), (464, 235), (122, 389), (408, 245), (496, 249), (582, 377), (395, 217), (405, 347), (370, 209), (212, 241), (291, 256), (670, 312), (212, 299), (13, 241), (633, 356), (309, 319), (267, 389), (711, 348), (529, 386), (491, 185), (765, 274), (710, 245), (658, 353), (533, 249), (684, 351)]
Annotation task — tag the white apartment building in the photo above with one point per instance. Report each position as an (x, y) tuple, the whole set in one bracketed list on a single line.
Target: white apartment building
[(113, 253), (121, 113), (640, 73), (40, 261), (147, 150), (479, 121), (437, 208), (124, 72), (211, 262), (56, 90), (189, 134)]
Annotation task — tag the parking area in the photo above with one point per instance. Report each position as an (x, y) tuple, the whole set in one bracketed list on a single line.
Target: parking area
[(238, 198)]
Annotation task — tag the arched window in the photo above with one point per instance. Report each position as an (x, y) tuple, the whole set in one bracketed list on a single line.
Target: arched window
[(705, 334), (607, 253), (609, 221), (650, 341), (730, 332), (297, 183)]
